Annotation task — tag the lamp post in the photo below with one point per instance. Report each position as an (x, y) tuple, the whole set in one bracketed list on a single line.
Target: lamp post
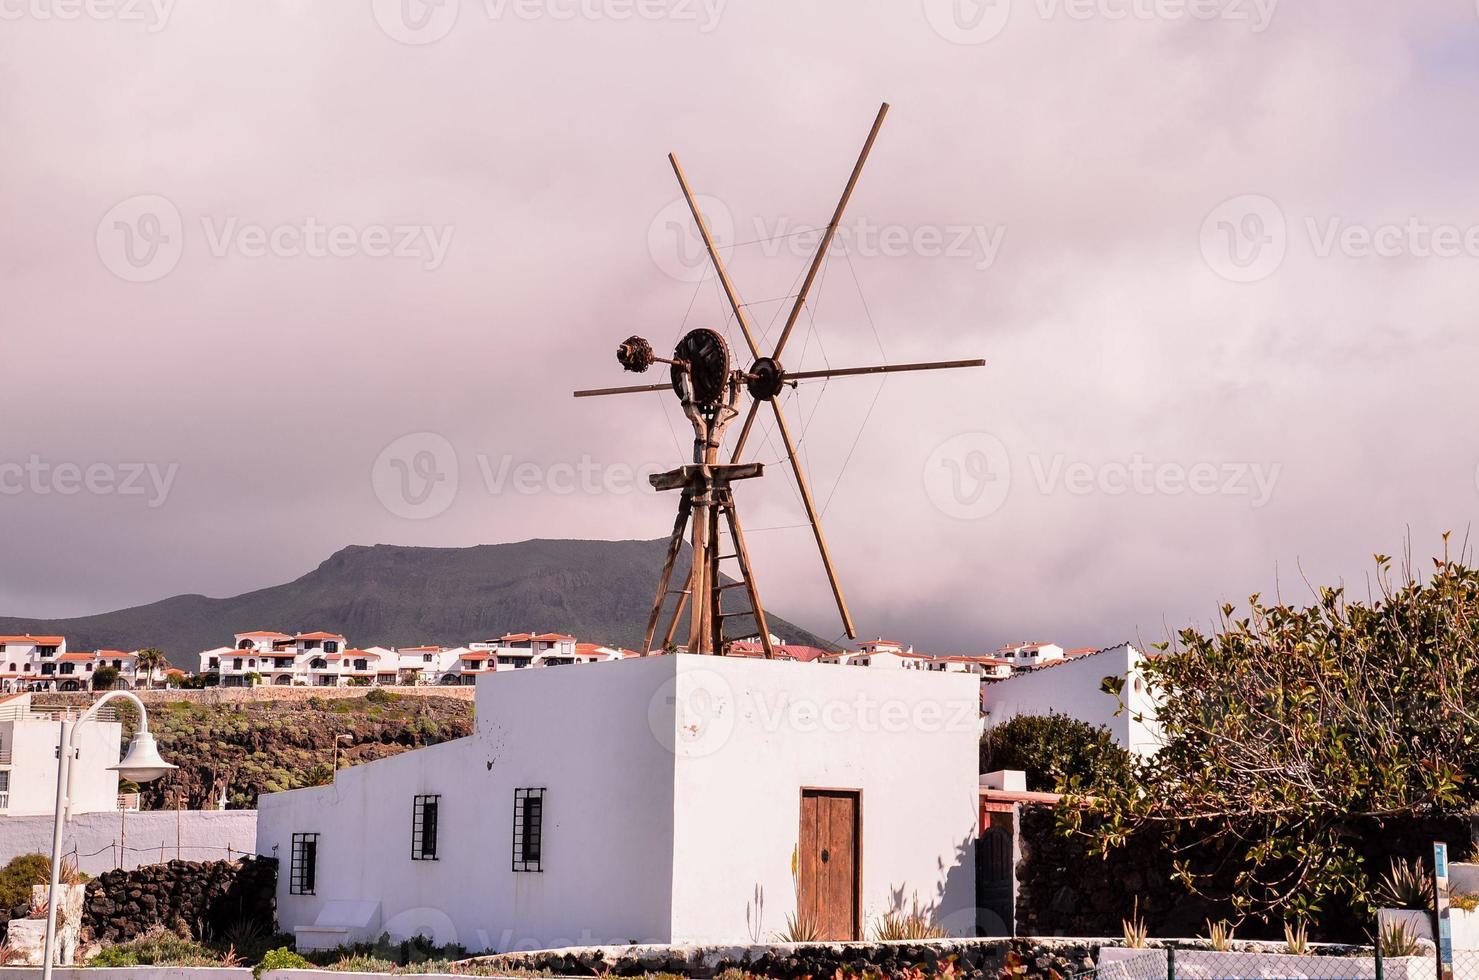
[(140, 764)]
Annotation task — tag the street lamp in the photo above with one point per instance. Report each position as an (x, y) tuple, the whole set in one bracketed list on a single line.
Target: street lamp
[(140, 764)]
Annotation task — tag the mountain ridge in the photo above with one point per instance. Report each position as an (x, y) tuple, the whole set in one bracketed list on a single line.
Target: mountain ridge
[(403, 595)]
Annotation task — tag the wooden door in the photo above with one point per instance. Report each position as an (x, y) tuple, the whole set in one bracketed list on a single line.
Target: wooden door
[(828, 859)]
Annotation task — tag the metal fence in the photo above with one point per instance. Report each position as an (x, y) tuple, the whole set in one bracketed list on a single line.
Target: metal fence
[(1405, 957)]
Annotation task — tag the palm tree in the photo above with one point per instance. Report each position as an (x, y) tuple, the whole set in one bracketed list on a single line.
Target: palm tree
[(151, 659)]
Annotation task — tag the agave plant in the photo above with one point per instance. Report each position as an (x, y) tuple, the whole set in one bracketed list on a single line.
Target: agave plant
[(913, 924), (1220, 935), (1398, 939), (1408, 885), (801, 928), (1297, 937), (1136, 932)]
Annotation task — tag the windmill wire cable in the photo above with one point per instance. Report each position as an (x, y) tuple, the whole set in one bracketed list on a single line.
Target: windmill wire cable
[(883, 379)]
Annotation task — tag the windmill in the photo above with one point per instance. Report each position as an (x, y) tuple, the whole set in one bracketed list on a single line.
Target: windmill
[(710, 389)]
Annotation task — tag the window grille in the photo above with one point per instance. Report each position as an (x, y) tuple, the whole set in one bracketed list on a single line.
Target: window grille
[(424, 813), (304, 868), (529, 829)]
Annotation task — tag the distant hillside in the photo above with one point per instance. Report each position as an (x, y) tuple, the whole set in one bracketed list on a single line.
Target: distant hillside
[(390, 595)]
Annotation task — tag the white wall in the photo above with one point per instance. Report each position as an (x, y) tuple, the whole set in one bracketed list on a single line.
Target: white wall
[(584, 735), (33, 764), (649, 836), (753, 733), (104, 841), (1072, 687)]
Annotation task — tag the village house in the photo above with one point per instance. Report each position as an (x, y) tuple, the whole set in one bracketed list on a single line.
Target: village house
[(1075, 685), (43, 663), (28, 760), (729, 793)]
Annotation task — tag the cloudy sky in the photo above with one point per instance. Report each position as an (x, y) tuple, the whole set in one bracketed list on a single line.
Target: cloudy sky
[(283, 276)]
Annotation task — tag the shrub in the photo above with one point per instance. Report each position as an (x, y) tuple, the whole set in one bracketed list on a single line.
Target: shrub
[(281, 958), (17, 877), (1053, 749), (160, 947)]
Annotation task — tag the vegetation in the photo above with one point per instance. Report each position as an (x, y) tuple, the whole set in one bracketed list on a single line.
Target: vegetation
[(104, 678), (1055, 751), (1135, 929), (913, 924), (1468, 901), (1287, 727), (281, 958), (151, 659), (252, 747), (1398, 939), (1297, 938), (17, 877), (1219, 936), (1406, 886), (161, 947)]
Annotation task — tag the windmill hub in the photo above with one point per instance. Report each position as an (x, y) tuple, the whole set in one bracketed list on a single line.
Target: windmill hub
[(766, 379)]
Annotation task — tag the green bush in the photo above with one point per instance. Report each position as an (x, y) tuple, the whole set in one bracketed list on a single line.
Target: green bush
[(17, 877), (1051, 749), (281, 958)]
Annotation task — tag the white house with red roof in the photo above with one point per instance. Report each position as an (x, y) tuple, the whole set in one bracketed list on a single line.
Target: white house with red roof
[(29, 663), (883, 654)]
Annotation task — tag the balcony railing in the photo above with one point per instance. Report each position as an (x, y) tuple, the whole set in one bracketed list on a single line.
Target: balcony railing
[(4, 755), (4, 801), (52, 714)]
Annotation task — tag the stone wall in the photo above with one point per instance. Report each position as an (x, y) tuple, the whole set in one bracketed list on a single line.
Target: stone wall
[(201, 899), (1064, 890), (971, 959)]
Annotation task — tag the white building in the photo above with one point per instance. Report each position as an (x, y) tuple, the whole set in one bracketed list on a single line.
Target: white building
[(886, 654), (28, 759), (1023, 656), (1074, 686), (652, 799), (43, 663)]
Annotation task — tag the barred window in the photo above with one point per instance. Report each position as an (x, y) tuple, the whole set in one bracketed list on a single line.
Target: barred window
[(304, 868), (424, 812), (528, 829)]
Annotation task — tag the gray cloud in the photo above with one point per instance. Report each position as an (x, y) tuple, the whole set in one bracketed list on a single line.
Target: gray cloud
[(274, 371)]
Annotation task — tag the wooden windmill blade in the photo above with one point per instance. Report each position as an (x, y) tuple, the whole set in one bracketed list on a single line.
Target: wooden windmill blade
[(826, 242), (724, 280)]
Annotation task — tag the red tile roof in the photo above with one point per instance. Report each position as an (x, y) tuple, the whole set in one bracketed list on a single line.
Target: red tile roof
[(42, 640), (319, 636)]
